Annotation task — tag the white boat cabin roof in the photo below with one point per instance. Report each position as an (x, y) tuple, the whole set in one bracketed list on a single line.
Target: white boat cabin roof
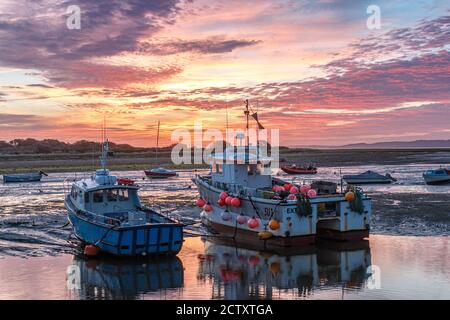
[(101, 180), (243, 169)]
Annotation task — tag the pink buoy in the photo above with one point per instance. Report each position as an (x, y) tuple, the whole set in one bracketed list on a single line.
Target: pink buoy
[(236, 202), (304, 188), (208, 208), (201, 203), (287, 186), (223, 195), (293, 190), (312, 193), (221, 202), (241, 219), (228, 200), (226, 216), (292, 197), (253, 223)]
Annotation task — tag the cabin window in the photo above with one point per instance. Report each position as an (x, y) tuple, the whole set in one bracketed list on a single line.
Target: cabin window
[(98, 196), (86, 197), (123, 195), (111, 195), (250, 170)]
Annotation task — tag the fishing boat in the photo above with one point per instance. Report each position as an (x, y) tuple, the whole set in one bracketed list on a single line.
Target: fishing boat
[(438, 176), (106, 214), (240, 199), (368, 177), (294, 169), (159, 173), (24, 177)]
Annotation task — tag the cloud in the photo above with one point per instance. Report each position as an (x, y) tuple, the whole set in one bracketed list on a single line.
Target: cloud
[(207, 46), (33, 35)]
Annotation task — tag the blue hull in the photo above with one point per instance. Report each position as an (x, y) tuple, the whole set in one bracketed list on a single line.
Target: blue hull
[(164, 238), (31, 178)]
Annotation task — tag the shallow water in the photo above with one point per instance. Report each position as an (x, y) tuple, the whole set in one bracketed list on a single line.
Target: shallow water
[(36, 249), (33, 218), (402, 268)]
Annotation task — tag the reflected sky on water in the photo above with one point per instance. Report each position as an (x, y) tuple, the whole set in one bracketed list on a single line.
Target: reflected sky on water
[(409, 268)]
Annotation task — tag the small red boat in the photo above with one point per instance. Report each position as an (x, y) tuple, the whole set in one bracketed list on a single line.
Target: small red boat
[(293, 169)]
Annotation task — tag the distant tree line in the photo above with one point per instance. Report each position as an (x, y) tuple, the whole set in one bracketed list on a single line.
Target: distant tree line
[(46, 146)]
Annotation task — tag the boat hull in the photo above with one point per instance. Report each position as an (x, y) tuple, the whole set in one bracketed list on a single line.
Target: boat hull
[(22, 178), (248, 237), (432, 180), (159, 175), (290, 170), (295, 229), (148, 239), (365, 181)]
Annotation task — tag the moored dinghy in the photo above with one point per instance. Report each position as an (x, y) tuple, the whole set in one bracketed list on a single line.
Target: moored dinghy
[(106, 213), (24, 177), (368, 177), (438, 176)]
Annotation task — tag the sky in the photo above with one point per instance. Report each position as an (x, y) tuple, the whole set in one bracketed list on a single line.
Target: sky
[(313, 69)]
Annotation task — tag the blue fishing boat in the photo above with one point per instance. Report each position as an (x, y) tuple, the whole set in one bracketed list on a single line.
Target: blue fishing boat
[(24, 177), (439, 176), (106, 213)]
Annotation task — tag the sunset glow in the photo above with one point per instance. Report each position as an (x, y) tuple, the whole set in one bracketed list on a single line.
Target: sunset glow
[(315, 69)]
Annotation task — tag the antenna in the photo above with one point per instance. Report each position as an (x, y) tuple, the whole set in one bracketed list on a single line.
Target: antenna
[(247, 113), (105, 146), (157, 142)]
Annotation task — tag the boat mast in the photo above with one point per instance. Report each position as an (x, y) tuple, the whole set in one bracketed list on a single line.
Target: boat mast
[(247, 113), (105, 146), (157, 142)]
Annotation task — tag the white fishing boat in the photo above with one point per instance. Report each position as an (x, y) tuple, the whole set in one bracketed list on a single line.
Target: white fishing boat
[(239, 199)]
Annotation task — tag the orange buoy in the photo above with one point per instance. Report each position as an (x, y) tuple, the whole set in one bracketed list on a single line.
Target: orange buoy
[(275, 267), (287, 186), (236, 202), (304, 188), (350, 196), (274, 224), (91, 251), (293, 190), (201, 203), (221, 202), (208, 208)]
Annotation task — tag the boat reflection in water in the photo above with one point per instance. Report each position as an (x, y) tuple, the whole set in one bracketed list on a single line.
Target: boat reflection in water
[(127, 279), (239, 273)]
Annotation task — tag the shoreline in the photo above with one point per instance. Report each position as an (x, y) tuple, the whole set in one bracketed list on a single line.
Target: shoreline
[(85, 162)]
